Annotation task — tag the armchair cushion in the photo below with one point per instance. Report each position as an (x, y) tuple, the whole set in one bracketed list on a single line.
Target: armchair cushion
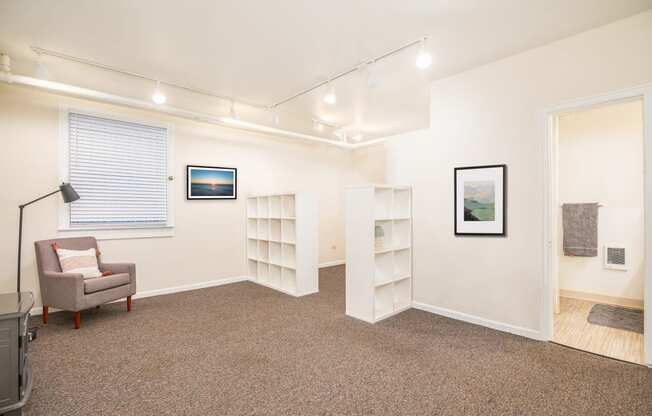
[(78, 261), (97, 284)]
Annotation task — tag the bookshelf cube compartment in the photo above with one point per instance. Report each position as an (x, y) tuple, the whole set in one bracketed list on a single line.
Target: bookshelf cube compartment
[(263, 272), (383, 301), (383, 203), (252, 227), (275, 207), (402, 234), (274, 275), (288, 231), (402, 293), (263, 229), (289, 280), (263, 250), (252, 267), (384, 268), (252, 248), (263, 207), (252, 207), (289, 255), (288, 203), (275, 253), (401, 203), (382, 236), (402, 264), (275, 230)]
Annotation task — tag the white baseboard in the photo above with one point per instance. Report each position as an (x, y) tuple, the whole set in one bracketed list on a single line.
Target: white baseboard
[(460, 316), (192, 286), (331, 263), (167, 290), (597, 298)]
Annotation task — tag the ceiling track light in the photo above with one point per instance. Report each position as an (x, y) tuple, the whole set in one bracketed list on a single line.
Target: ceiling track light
[(276, 119), (158, 97), (356, 136), (330, 97), (5, 63), (232, 112), (424, 59), (42, 71), (370, 72), (317, 125)]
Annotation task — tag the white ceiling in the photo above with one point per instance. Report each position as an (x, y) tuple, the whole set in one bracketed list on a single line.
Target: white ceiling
[(262, 51)]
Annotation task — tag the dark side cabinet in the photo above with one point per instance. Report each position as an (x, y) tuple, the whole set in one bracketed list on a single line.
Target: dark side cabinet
[(15, 377), (8, 362)]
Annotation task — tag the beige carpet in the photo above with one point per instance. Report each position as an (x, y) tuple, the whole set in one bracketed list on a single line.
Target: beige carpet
[(243, 349)]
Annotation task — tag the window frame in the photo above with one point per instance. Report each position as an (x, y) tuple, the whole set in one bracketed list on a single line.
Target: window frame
[(112, 232)]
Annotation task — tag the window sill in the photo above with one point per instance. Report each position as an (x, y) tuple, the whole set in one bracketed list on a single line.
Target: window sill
[(117, 233)]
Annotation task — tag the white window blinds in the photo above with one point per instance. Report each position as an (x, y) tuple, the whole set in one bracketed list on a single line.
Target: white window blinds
[(119, 169)]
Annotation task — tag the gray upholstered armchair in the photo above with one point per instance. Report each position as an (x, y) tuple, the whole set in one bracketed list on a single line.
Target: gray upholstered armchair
[(70, 291)]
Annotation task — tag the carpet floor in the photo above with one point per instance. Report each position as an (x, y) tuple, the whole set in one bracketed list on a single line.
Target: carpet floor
[(243, 349)]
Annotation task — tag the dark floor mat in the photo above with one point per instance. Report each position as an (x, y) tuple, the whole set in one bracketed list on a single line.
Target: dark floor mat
[(617, 317)]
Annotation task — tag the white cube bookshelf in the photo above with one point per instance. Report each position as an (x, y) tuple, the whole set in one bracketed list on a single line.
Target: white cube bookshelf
[(378, 272), (282, 243)]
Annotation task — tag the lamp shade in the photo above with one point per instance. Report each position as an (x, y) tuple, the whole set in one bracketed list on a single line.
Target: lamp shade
[(68, 193)]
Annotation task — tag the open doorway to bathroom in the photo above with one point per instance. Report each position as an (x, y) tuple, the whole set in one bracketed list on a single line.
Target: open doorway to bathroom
[(598, 243)]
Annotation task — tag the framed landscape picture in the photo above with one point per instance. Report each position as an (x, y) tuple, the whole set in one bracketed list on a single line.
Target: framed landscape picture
[(480, 207), (208, 182)]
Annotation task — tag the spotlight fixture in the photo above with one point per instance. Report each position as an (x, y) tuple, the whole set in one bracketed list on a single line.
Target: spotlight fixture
[(370, 71), (424, 59), (5, 63), (232, 113), (341, 134), (319, 126), (330, 97), (42, 71), (158, 97)]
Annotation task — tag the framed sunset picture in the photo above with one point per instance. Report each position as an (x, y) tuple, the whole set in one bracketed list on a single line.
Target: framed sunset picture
[(209, 182), (480, 200)]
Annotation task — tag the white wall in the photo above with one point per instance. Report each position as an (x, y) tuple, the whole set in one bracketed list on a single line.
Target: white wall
[(209, 240), (601, 160), (494, 114)]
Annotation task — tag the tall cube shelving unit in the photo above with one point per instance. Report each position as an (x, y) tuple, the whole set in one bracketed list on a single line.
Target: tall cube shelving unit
[(378, 278), (282, 242)]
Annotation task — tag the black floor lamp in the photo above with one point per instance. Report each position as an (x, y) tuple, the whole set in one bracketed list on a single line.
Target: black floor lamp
[(69, 195)]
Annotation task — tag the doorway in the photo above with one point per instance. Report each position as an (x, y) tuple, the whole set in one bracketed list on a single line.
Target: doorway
[(596, 273)]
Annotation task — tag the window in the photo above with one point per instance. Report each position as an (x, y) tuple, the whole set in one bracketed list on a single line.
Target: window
[(120, 170)]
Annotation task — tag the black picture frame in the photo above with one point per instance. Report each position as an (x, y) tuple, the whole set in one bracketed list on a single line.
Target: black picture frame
[(503, 230), (194, 197)]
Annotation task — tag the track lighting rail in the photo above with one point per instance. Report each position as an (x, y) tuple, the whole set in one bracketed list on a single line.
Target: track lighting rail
[(42, 51), (348, 71), (273, 106)]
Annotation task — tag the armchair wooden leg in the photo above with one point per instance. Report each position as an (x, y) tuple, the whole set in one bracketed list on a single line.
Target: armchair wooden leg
[(128, 303), (77, 319), (45, 314)]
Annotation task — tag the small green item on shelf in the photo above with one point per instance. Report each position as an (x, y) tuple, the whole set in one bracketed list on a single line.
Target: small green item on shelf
[(379, 231)]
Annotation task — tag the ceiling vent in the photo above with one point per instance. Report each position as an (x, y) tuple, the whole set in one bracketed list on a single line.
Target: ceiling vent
[(615, 257)]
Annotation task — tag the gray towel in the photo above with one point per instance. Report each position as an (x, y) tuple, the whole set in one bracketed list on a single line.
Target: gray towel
[(580, 229)]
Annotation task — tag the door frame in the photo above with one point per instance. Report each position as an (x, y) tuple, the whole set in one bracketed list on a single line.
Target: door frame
[(550, 200)]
